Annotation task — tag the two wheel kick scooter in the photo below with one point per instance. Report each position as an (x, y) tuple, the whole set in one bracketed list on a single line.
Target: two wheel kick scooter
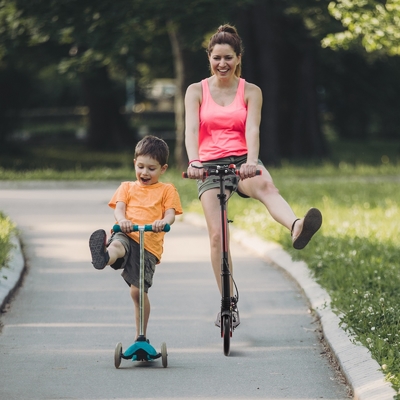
[(141, 349), (224, 174)]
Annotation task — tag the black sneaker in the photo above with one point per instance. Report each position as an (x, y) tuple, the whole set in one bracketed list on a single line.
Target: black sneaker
[(97, 245), (235, 315)]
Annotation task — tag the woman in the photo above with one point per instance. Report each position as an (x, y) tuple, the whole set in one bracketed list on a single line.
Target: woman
[(223, 114)]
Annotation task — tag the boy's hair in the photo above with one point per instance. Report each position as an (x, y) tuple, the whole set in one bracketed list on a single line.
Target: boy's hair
[(153, 147)]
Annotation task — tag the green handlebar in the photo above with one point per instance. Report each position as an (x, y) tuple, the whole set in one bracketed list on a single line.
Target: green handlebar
[(147, 228)]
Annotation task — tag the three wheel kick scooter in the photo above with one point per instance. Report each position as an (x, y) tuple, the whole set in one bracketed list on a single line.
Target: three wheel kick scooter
[(224, 174), (141, 349)]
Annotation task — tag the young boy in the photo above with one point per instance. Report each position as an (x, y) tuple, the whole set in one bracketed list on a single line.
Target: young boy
[(141, 202)]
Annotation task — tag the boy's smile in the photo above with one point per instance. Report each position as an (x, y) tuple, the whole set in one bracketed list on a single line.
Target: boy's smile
[(148, 170)]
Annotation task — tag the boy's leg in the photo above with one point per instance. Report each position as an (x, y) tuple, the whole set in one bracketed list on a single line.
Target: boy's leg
[(146, 310), (101, 254)]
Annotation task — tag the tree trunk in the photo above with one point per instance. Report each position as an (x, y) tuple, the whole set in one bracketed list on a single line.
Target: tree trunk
[(307, 139), (259, 32), (108, 128), (177, 51), (280, 58)]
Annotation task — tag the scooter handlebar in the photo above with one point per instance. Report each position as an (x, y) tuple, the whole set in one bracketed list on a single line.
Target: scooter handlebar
[(147, 228), (205, 174)]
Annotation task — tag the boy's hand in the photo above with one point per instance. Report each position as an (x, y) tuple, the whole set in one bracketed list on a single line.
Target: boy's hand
[(126, 225), (158, 225)]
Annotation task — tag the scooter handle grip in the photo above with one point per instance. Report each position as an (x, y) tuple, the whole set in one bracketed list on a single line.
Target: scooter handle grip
[(147, 228), (258, 172)]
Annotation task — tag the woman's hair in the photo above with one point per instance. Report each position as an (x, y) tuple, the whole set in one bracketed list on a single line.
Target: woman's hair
[(227, 34), (153, 147)]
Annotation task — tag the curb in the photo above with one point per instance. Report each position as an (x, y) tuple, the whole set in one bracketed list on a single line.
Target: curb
[(13, 272), (362, 372)]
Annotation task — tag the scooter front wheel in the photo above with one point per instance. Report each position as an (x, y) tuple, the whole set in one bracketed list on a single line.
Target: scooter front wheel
[(117, 355), (226, 333), (164, 355)]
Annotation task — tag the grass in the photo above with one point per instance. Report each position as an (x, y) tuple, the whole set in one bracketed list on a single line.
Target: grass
[(7, 228), (354, 256)]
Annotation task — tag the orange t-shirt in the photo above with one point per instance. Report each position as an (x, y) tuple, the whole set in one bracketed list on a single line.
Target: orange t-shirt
[(144, 205)]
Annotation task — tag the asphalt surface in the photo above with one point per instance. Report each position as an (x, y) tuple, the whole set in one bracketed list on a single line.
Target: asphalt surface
[(60, 329)]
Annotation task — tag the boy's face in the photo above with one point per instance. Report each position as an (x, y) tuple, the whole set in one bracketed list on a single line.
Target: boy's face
[(148, 170)]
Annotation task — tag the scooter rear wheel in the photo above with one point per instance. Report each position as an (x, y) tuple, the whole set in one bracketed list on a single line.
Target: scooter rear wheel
[(117, 355), (226, 333), (164, 355)]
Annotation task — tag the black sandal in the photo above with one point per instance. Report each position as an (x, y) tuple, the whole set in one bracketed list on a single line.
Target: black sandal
[(97, 245), (312, 222)]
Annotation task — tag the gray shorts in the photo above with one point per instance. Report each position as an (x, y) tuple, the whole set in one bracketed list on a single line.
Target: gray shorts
[(130, 263), (211, 183)]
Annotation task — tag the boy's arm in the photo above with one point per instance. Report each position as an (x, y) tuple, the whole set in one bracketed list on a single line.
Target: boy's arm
[(119, 214), (169, 218)]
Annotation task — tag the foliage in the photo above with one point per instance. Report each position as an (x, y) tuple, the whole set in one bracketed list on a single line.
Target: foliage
[(7, 228), (373, 24), (357, 96)]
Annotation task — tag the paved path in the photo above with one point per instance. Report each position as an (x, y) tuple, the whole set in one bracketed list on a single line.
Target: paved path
[(58, 337)]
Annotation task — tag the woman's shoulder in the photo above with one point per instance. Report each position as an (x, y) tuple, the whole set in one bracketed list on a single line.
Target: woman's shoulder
[(251, 90), (194, 87), (251, 87), (194, 92)]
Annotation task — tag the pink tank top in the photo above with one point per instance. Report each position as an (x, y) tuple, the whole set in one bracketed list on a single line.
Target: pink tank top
[(222, 128)]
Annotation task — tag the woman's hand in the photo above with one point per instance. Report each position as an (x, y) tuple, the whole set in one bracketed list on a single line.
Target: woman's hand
[(247, 170), (195, 170)]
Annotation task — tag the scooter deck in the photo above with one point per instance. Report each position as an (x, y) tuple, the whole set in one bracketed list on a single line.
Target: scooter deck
[(141, 351)]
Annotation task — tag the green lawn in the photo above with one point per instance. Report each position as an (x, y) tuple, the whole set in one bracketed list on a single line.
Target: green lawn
[(354, 256), (7, 228)]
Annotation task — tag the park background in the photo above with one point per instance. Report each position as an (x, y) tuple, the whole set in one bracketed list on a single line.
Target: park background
[(82, 81)]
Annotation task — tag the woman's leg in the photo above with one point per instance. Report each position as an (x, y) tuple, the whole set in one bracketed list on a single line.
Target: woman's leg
[(212, 212), (135, 293), (262, 188)]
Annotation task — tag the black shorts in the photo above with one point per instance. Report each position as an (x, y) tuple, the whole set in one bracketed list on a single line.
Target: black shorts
[(211, 183), (130, 263)]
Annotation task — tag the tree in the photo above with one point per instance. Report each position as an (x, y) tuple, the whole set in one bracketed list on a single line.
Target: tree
[(283, 65), (281, 56), (102, 35), (94, 37), (373, 24)]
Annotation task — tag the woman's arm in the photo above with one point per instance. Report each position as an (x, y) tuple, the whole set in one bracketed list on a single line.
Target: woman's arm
[(253, 98), (254, 102), (192, 123)]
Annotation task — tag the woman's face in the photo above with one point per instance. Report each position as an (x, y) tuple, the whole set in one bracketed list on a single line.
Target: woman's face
[(223, 61)]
